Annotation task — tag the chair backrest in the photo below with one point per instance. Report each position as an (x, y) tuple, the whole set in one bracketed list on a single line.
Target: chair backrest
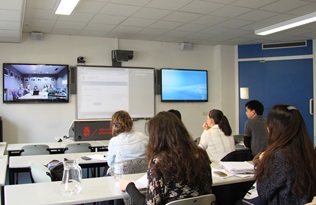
[(238, 156), (38, 149), (208, 199), (132, 166), (40, 173), (78, 147)]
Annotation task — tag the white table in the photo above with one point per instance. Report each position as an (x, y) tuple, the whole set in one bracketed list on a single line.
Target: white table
[(94, 189), (3, 174), (3, 169), (3, 146), (17, 147), (22, 163)]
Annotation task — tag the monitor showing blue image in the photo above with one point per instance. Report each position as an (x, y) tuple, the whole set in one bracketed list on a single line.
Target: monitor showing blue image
[(183, 85)]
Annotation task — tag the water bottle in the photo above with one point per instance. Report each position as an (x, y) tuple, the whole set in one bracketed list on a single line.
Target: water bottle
[(72, 175), (118, 166)]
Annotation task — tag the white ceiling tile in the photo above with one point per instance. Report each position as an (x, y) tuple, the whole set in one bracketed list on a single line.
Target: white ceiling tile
[(40, 14), (77, 17), (152, 31), (127, 29), (181, 16), (98, 27), (234, 23), (40, 4), (255, 26), (283, 5), (165, 25), (108, 19), (10, 15), (168, 4), (152, 13), (209, 20), (214, 30), (12, 4), (222, 1), (190, 27), (310, 8), (129, 2), (10, 25), (69, 25), (39, 23), (119, 10), (278, 18), (255, 4), (230, 11), (89, 6), (201, 7), (257, 15), (137, 22)]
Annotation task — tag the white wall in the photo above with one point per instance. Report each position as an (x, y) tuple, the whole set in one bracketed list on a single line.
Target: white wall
[(43, 122)]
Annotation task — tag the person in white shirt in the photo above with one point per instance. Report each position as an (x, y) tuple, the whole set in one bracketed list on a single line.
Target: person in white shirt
[(217, 137), (132, 144)]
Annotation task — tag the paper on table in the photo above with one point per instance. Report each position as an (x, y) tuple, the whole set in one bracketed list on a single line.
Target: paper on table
[(142, 182), (229, 174), (97, 156), (238, 167)]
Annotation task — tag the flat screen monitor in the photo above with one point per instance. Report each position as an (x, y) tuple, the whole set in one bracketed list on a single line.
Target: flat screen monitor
[(184, 85), (25, 83)]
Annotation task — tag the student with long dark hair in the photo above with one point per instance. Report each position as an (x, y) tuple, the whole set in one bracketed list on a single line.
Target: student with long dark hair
[(286, 171), (177, 167), (217, 137)]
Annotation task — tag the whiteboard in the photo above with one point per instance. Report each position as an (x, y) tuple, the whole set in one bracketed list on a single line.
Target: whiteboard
[(102, 90)]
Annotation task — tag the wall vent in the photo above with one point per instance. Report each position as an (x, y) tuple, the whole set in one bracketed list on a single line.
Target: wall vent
[(284, 45)]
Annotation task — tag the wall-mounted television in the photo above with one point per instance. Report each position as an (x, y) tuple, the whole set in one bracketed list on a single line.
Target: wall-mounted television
[(184, 85), (35, 83)]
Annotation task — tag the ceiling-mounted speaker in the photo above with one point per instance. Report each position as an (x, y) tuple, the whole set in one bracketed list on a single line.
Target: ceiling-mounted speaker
[(37, 36), (185, 46)]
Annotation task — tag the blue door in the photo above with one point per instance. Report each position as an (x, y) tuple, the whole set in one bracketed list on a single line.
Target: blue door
[(274, 82)]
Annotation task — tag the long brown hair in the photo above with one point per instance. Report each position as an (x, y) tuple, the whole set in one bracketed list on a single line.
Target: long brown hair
[(287, 132), (121, 122), (171, 143)]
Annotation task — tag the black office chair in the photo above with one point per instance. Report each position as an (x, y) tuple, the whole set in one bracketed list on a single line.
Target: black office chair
[(238, 156)]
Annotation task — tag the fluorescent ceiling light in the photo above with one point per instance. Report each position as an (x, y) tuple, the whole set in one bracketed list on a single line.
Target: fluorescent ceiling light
[(299, 21), (65, 7)]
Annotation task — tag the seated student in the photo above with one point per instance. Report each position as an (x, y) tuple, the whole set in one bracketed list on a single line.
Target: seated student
[(217, 137), (177, 167), (256, 126), (130, 143), (28, 89), (20, 92), (286, 171)]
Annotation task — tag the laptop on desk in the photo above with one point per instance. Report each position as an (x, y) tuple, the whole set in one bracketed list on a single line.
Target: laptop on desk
[(36, 92)]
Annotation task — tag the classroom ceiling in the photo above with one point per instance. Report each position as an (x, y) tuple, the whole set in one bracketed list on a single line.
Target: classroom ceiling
[(206, 22)]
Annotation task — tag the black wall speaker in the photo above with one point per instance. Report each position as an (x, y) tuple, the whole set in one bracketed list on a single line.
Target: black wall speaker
[(73, 80)]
